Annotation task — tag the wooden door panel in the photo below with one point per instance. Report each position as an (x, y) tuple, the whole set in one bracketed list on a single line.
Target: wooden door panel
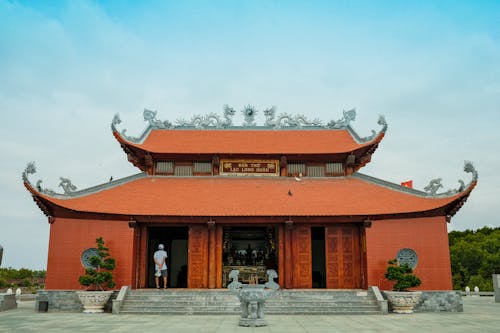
[(303, 257), (343, 257), (332, 258), (348, 257), (197, 257)]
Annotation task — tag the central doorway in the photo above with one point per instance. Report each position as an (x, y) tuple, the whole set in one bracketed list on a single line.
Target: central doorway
[(318, 257), (175, 240), (251, 250)]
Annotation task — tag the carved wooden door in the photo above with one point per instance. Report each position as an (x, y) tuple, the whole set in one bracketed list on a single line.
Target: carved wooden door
[(198, 257), (343, 257), (302, 277)]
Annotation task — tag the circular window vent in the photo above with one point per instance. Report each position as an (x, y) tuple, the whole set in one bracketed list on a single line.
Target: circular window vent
[(407, 256), (86, 255)]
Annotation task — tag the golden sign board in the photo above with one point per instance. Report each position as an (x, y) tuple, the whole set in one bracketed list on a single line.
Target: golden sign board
[(250, 167)]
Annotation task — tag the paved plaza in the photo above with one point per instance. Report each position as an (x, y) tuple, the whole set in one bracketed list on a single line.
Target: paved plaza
[(481, 314)]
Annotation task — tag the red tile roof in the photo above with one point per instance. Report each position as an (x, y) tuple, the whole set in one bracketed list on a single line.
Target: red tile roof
[(248, 196), (246, 141)]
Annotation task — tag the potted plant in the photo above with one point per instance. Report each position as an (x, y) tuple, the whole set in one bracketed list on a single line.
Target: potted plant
[(401, 299), (97, 279)]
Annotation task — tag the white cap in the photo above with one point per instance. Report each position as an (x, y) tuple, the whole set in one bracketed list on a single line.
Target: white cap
[(161, 247)]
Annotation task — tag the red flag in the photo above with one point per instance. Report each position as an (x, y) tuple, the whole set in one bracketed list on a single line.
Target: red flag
[(408, 183)]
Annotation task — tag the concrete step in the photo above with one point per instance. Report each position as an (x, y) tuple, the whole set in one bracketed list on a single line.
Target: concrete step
[(221, 301), (269, 302)]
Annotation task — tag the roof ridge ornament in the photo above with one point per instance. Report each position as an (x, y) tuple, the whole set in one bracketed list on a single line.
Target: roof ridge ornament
[(272, 121), (469, 168), (435, 184), (381, 121), (287, 120), (348, 116), (150, 116), (29, 170), (116, 121), (65, 183), (209, 120), (249, 112), (44, 190)]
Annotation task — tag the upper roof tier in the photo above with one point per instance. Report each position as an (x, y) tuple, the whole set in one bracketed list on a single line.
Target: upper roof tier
[(357, 197), (212, 134), (246, 142)]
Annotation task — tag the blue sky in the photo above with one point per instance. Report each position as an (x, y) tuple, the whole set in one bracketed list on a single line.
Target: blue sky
[(66, 67)]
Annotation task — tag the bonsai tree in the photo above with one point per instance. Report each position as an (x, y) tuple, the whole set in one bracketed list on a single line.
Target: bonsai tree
[(99, 276), (402, 274)]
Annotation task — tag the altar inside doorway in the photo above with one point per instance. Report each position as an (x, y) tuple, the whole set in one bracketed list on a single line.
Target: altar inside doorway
[(251, 250)]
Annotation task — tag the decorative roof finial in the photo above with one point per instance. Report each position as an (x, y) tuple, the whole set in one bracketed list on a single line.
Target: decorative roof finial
[(381, 121), (29, 170), (249, 112), (116, 120), (469, 168)]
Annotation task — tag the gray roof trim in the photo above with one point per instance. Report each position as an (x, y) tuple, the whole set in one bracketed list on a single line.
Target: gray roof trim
[(97, 188), (407, 190), (389, 185)]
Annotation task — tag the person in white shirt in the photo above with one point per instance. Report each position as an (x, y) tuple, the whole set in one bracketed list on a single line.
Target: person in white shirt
[(160, 259)]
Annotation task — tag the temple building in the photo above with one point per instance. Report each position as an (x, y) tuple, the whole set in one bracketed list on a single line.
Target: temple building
[(286, 195)]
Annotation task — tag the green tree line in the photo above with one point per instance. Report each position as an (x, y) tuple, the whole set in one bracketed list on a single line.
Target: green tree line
[(23, 277), (475, 255)]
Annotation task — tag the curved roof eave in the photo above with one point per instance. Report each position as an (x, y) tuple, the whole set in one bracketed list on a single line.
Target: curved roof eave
[(49, 204)]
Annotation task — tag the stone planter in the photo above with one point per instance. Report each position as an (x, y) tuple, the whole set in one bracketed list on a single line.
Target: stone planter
[(94, 301), (496, 286), (403, 301)]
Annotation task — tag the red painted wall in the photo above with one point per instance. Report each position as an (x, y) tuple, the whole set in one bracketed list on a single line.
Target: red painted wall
[(428, 237), (70, 237)]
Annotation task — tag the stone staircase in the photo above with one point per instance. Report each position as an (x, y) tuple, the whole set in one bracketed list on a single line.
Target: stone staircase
[(221, 301)]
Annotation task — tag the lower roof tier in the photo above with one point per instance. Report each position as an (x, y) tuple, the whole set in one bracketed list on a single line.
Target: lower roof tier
[(143, 195)]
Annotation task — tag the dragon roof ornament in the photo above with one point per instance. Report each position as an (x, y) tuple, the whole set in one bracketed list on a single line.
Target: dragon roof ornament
[(435, 184), (287, 120), (272, 121), (29, 170), (65, 183), (210, 120)]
